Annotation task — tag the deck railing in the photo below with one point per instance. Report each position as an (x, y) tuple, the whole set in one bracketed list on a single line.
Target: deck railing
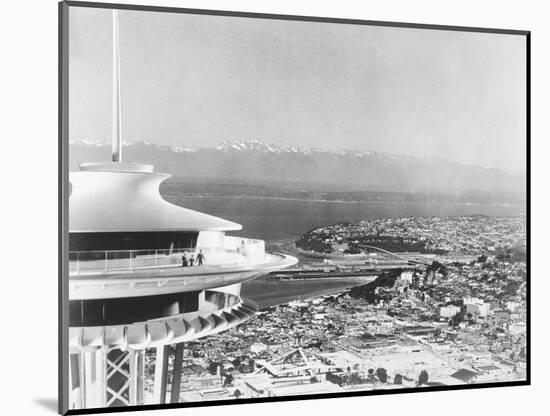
[(234, 251)]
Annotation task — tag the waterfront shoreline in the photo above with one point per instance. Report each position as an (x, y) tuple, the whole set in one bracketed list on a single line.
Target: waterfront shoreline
[(273, 292), (465, 204)]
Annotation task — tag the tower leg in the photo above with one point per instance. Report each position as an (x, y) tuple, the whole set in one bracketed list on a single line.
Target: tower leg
[(137, 375), (100, 378), (89, 379), (75, 382), (176, 379), (161, 374)]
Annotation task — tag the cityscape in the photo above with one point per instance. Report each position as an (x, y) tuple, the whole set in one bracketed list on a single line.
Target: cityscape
[(452, 312)]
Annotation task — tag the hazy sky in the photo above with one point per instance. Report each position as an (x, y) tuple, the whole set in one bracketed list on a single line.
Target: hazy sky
[(195, 81)]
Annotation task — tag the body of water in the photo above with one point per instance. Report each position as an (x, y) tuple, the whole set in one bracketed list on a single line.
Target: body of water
[(274, 220), (270, 292)]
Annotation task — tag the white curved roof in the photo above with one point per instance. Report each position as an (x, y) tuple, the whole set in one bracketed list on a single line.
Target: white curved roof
[(109, 197)]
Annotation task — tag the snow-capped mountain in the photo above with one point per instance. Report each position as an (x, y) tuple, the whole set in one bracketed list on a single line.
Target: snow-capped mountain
[(253, 161), (256, 145), (234, 146)]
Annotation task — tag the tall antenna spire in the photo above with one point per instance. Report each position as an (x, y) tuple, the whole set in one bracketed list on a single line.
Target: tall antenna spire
[(117, 126)]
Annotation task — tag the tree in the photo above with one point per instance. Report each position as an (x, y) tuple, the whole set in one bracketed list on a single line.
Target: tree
[(352, 249), (423, 378), (213, 368), (382, 375), (398, 379), (355, 379), (482, 258), (228, 380), (457, 319), (237, 393), (522, 353), (436, 267), (371, 378), (243, 368)]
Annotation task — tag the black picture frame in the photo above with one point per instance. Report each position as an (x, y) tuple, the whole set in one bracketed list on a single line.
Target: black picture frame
[(63, 198)]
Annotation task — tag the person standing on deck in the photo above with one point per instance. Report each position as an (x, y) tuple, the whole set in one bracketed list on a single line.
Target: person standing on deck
[(184, 262), (200, 258), (191, 260)]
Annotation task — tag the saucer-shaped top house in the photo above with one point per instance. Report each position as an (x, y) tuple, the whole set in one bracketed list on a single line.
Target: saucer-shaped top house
[(126, 250)]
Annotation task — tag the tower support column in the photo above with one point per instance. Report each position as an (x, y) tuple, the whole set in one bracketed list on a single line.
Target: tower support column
[(93, 375), (176, 378), (100, 385), (75, 380), (161, 374), (137, 376), (89, 378)]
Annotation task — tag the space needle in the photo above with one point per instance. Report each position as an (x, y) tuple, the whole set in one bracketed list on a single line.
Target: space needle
[(128, 291)]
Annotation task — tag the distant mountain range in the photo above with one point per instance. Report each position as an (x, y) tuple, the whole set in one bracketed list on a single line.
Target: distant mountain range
[(254, 162)]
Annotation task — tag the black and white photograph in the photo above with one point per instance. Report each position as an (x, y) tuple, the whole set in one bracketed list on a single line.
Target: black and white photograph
[(265, 207)]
